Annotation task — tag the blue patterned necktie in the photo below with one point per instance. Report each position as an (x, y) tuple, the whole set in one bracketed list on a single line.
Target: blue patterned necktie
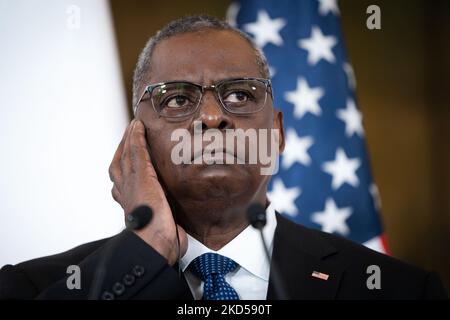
[(211, 268)]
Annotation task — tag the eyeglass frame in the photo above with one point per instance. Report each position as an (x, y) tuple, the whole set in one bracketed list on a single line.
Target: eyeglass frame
[(149, 88)]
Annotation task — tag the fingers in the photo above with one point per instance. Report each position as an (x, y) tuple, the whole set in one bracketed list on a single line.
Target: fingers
[(135, 156), (114, 168), (131, 154), (125, 155), (131, 157), (140, 158)]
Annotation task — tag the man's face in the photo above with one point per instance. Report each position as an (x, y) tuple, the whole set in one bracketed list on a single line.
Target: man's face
[(206, 58)]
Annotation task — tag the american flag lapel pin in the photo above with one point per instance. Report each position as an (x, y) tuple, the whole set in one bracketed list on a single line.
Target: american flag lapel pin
[(320, 275)]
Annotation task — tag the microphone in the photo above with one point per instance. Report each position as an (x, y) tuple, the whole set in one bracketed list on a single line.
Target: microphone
[(135, 220), (256, 214), (139, 218)]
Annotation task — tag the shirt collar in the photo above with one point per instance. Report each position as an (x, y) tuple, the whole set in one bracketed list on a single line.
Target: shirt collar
[(246, 249)]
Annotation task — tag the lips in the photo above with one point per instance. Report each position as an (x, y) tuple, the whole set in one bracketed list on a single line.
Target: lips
[(204, 154)]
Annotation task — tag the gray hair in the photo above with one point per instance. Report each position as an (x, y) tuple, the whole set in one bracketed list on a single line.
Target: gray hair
[(185, 25)]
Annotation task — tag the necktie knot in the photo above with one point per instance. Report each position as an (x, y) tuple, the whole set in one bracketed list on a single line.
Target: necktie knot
[(211, 263), (211, 268)]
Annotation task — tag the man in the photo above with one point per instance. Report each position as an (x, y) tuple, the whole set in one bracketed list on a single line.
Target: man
[(199, 74)]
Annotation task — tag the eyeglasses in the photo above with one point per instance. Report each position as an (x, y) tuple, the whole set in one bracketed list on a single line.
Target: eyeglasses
[(178, 99)]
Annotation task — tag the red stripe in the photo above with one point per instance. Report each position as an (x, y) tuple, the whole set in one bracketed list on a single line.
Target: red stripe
[(384, 243)]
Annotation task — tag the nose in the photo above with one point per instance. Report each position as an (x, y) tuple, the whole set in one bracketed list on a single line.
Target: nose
[(211, 114)]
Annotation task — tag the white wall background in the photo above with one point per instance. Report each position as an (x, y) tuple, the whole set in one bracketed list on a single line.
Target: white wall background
[(62, 114)]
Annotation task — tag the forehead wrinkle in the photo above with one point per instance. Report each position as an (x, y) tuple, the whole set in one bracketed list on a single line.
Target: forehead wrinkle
[(201, 75), (205, 80), (204, 61)]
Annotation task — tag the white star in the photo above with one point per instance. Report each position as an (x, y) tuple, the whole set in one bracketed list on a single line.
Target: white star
[(266, 30), (232, 13), (375, 193), (318, 46), (342, 169), (352, 118), (296, 149), (351, 79), (326, 6), (333, 219), (283, 198), (272, 71), (305, 99)]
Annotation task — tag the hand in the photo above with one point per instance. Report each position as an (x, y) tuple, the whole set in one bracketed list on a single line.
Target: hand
[(136, 183)]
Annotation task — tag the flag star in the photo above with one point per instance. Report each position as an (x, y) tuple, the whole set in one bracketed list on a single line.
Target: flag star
[(232, 13), (305, 99), (333, 219), (375, 193), (326, 6), (266, 30), (318, 46), (352, 118), (351, 79), (272, 71), (283, 198), (342, 170), (296, 149)]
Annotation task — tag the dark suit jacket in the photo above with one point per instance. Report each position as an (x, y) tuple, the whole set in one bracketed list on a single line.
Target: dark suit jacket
[(125, 267)]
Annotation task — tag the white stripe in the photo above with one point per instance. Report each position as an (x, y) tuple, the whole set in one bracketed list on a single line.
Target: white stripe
[(375, 244)]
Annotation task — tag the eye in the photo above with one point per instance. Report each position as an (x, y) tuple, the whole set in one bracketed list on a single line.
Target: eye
[(237, 97), (178, 101)]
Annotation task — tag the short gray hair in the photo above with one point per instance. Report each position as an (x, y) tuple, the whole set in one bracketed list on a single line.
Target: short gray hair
[(185, 25)]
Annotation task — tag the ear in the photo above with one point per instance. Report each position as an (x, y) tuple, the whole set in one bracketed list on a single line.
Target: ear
[(278, 124)]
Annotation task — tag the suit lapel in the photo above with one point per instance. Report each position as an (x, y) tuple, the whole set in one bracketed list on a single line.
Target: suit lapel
[(297, 253)]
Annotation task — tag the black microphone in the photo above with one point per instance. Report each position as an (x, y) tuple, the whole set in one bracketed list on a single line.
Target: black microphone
[(135, 220), (256, 214), (139, 218)]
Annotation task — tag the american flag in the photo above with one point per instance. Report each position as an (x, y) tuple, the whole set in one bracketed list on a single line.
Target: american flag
[(320, 275), (324, 178)]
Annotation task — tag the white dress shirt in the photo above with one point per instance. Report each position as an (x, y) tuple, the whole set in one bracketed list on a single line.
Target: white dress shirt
[(251, 278)]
